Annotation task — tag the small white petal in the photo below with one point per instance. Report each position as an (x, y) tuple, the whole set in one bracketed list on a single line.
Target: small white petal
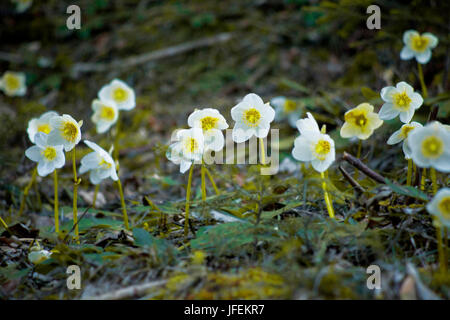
[(387, 111), (424, 57)]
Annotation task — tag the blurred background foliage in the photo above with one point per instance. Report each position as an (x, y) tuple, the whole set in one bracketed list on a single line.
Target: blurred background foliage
[(318, 52)]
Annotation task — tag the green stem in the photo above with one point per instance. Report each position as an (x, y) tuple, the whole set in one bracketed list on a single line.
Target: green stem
[(262, 150), (327, 197), (409, 176), (124, 208), (212, 181), (75, 190), (188, 197), (26, 190), (3, 223), (116, 141), (202, 173), (94, 200), (442, 260), (55, 203), (423, 179), (434, 180), (422, 81)]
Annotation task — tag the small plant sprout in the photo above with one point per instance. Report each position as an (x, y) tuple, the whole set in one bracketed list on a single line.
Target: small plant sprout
[(101, 166), (253, 118), (105, 114), (49, 158), (67, 132), (399, 100), (125, 99), (430, 147), (22, 5), (41, 124), (418, 46), (212, 123), (187, 148), (13, 84), (439, 207), (402, 135), (360, 122), (286, 109), (315, 146)]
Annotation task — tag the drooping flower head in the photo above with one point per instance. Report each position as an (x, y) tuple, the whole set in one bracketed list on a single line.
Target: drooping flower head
[(188, 147), (312, 145), (22, 5), (402, 135), (252, 117), (430, 146), (119, 92), (65, 131), (41, 124), (399, 100), (360, 122), (418, 46), (48, 157), (286, 109), (105, 114), (13, 83), (212, 123), (440, 206), (99, 163)]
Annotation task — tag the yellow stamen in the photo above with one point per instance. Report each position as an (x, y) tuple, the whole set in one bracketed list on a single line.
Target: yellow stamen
[(322, 149), (402, 101), (406, 129), (69, 131), (45, 128), (120, 95), (357, 117), (107, 113), (49, 153), (444, 207), (104, 164), (209, 123), (191, 145), (419, 43), (252, 117), (432, 147), (290, 106), (12, 82)]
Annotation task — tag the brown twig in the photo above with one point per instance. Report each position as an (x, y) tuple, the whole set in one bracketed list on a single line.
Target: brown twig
[(129, 292), (352, 181), (150, 56), (357, 163)]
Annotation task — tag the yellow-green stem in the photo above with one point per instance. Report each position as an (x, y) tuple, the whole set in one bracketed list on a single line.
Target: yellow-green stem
[(409, 176), (26, 190), (423, 179), (116, 141), (55, 203), (94, 200), (75, 190), (212, 181), (202, 173), (358, 155), (124, 208), (422, 81), (188, 197), (434, 180), (262, 150), (327, 196), (3, 223)]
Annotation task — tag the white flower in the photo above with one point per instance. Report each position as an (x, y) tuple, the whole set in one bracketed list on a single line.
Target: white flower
[(13, 83), (105, 114), (212, 123), (41, 124), (430, 146), (47, 156), (402, 135), (119, 92), (312, 145), (360, 122), (286, 108), (253, 118), (400, 99), (65, 131), (440, 206), (99, 163), (287, 165), (418, 46), (39, 256), (187, 148)]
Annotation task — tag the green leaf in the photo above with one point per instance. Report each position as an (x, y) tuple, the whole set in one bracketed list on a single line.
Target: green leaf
[(142, 238), (407, 190)]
